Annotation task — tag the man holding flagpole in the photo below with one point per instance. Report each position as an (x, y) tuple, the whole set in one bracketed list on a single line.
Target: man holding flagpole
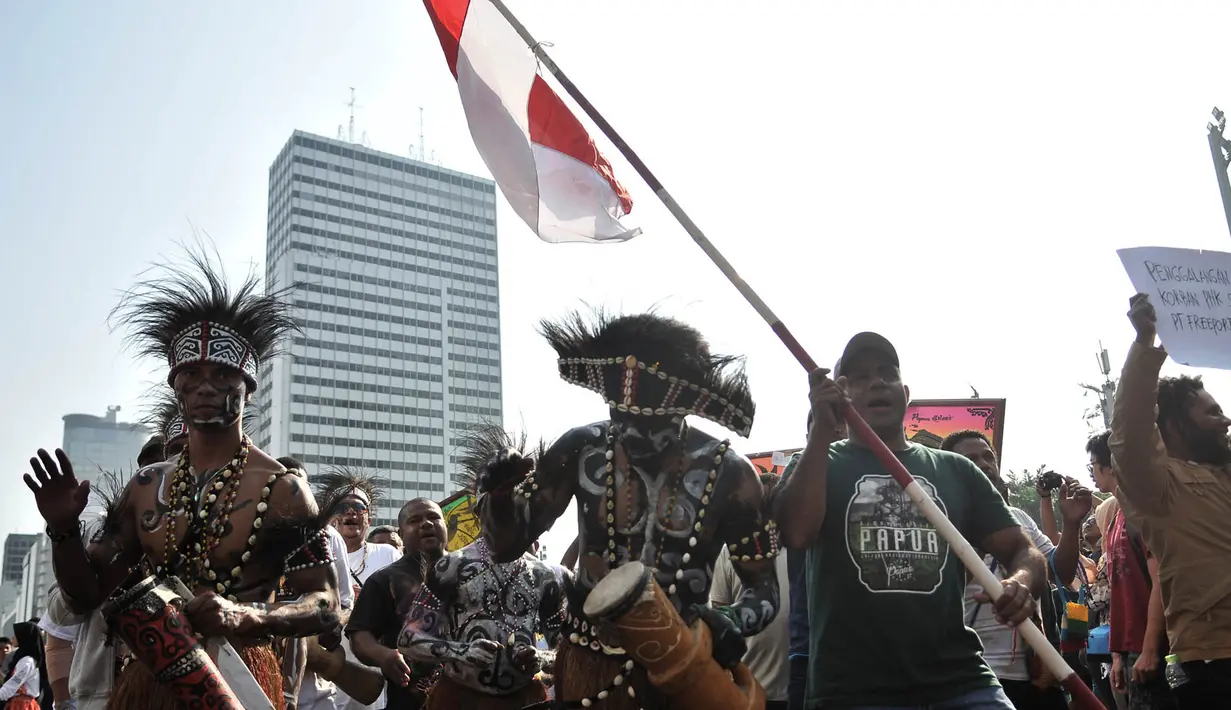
[(885, 589), (564, 189)]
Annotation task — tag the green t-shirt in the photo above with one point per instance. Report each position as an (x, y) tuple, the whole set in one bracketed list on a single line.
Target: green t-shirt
[(885, 591)]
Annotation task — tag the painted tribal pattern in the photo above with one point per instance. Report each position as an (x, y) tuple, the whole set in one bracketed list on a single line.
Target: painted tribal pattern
[(479, 600), (674, 521), (212, 342)]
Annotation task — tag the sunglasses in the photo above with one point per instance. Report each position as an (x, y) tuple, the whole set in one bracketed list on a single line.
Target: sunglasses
[(357, 506)]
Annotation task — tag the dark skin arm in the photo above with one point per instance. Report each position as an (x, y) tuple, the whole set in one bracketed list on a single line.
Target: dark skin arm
[(1027, 574), (800, 505), (569, 561), (554, 474), (758, 604), (370, 652), (87, 575), (314, 613)]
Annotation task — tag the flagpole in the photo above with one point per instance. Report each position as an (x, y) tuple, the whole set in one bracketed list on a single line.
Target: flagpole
[(960, 546)]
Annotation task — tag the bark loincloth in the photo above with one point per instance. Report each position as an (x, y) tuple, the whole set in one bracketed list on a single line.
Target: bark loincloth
[(137, 688), (448, 694)]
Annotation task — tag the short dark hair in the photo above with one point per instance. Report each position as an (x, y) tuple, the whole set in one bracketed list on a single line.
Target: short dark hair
[(1175, 394), (950, 443), (291, 462), (6, 639), (1097, 446), (389, 530), (412, 501), (151, 452)]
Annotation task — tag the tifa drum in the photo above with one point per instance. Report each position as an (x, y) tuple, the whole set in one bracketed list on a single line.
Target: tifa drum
[(678, 659)]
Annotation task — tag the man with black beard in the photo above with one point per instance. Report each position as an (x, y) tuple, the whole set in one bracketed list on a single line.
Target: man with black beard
[(387, 603), (885, 589), (1171, 454)]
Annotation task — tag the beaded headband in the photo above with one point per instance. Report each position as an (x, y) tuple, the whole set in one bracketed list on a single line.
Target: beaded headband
[(175, 428), (630, 385), (212, 342)]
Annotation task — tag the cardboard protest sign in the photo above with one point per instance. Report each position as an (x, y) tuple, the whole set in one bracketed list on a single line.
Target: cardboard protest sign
[(1191, 293)]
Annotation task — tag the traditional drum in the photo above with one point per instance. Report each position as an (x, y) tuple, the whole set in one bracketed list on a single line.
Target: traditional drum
[(356, 680), (149, 619), (678, 659)]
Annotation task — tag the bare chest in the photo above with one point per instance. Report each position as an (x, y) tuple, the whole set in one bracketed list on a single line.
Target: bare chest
[(205, 529)]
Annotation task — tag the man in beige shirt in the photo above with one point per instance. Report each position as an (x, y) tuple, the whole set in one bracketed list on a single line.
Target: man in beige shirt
[(1171, 452)]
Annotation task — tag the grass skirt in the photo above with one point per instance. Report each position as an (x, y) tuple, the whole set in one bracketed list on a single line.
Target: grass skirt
[(136, 687), (448, 694)]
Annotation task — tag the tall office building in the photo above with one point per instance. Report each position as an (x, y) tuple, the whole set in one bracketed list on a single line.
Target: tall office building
[(398, 301), (15, 548), (37, 576), (96, 444)]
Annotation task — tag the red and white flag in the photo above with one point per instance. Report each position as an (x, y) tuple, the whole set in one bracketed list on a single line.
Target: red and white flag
[(545, 163)]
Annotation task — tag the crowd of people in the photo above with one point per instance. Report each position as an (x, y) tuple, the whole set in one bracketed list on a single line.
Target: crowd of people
[(221, 576)]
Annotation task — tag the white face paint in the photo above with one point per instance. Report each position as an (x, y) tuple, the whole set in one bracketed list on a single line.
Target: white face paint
[(647, 439)]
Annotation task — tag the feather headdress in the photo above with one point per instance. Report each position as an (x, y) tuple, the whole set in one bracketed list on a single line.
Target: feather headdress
[(190, 314), (651, 365), (335, 484)]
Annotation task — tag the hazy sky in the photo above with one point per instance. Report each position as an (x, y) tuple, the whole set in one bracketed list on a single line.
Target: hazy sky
[(956, 175)]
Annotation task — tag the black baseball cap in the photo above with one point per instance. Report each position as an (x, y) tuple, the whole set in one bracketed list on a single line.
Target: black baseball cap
[(862, 343)]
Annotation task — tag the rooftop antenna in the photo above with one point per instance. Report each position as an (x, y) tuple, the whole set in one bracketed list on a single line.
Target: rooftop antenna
[(350, 133), (1105, 392), (422, 147)]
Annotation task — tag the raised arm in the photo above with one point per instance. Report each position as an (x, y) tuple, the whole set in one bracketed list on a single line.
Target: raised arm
[(1075, 502), (86, 573), (800, 507), (1137, 449), (540, 482)]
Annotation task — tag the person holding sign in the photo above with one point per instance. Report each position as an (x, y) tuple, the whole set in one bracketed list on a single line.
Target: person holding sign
[(1175, 487)]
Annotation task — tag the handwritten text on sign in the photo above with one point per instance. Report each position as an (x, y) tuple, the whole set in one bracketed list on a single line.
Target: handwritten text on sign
[(1191, 293)]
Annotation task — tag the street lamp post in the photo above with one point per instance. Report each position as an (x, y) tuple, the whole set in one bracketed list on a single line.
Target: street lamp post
[(1220, 150)]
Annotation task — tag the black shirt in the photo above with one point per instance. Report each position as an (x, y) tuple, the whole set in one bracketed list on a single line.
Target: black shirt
[(381, 610)]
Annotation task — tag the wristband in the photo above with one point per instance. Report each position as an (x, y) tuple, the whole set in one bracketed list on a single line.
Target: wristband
[(56, 537)]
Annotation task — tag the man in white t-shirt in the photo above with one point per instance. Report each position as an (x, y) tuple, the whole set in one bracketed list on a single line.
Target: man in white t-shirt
[(1003, 649), (767, 654), (352, 496)]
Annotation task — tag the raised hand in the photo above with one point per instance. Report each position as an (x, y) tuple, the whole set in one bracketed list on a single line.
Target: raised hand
[(1143, 317), (1075, 501), (506, 468), (60, 497), (827, 398)]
